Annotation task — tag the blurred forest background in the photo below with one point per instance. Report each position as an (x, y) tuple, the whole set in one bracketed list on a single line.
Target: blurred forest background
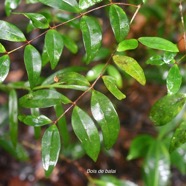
[(156, 18)]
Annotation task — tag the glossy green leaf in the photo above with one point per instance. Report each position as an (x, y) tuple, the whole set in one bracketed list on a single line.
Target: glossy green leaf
[(174, 80), (13, 116), (37, 130), (179, 137), (105, 114), (70, 44), (139, 146), (158, 43), (43, 99), (83, 4), (157, 165), (10, 32), (50, 147), (35, 121), (54, 46), (119, 22), (166, 108), (155, 60), (33, 64), (110, 83), (67, 5), (38, 20), (92, 36), (128, 44), (168, 57), (86, 132), (4, 67), (11, 5), (62, 125), (131, 67), (2, 48)]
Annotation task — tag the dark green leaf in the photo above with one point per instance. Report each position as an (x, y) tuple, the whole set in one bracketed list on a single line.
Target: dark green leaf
[(33, 63), (11, 5), (131, 67), (13, 116), (54, 46), (158, 43), (128, 44), (86, 132), (155, 60), (157, 165), (51, 146), (119, 22), (92, 36), (67, 5), (83, 4), (105, 114), (4, 67), (37, 130), (42, 99), (2, 48), (110, 83), (10, 32), (174, 80), (179, 137), (139, 146), (166, 108)]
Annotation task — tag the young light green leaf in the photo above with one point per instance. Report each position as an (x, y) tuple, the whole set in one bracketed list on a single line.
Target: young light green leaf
[(35, 121), (43, 99), (128, 44), (54, 46), (158, 43), (157, 165), (33, 64), (131, 67), (13, 116), (155, 60), (38, 20), (179, 137), (119, 22), (10, 32), (166, 108), (110, 83), (4, 67), (86, 132), (67, 5), (105, 114), (174, 80), (92, 36), (83, 4), (50, 147), (2, 48), (11, 5)]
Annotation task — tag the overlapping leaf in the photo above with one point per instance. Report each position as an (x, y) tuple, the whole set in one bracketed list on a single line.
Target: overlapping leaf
[(11, 5), (2, 48), (70, 44), (128, 44), (4, 67), (105, 114), (83, 4), (86, 132)]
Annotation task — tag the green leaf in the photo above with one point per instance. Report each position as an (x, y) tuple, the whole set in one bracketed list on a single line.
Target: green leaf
[(67, 5), (54, 46), (105, 114), (174, 80), (168, 57), (11, 5), (157, 165), (166, 108), (37, 130), (38, 20), (35, 121), (86, 132), (139, 146), (179, 137), (155, 60), (70, 44), (2, 48), (83, 4), (110, 83), (43, 99), (131, 67), (158, 43), (10, 32), (119, 22), (13, 116), (33, 63), (4, 67), (51, 146), (128, 44), (92, 36)]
